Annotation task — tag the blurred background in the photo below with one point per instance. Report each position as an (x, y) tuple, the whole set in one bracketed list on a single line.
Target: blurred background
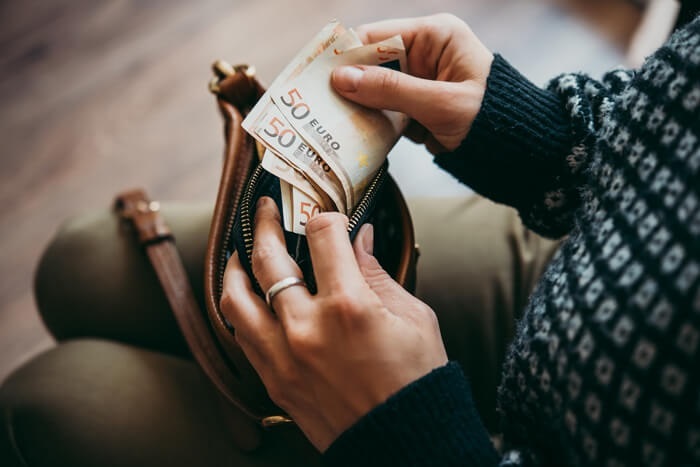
[(102, 95)]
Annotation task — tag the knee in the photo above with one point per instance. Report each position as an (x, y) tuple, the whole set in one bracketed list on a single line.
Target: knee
[(68, 268), (31, 425), (94, 258), (94, 402), (53, 272)]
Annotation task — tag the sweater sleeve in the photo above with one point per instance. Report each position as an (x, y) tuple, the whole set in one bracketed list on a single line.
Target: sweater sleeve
[(430, 422), (529, 147)]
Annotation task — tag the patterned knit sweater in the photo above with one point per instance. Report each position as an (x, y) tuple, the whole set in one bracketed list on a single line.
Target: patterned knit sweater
[(605, 366)]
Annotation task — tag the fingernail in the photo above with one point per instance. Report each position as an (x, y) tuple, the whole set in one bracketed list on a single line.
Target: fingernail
[(367, 238), (347, 78)]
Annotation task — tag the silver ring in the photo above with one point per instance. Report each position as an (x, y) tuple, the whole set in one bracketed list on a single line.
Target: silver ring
[(280, 285)]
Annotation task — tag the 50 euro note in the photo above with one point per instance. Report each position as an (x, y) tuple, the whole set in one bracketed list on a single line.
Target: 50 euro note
[(353, 140), (309, 182), (277, 166), (298, 208), (276, 134), (333, 34), (266, 124), (306, 55), (300, 199)]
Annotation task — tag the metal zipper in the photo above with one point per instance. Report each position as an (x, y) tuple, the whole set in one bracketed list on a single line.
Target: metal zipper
[(247, 225), (247, 228), (246, 222), (366, 200)]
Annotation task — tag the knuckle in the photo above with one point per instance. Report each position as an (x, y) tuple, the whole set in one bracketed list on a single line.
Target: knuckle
[(429, 316), (389, 81), (449, 17), (440, 20), (348, 308), (228, 303), (325, 222), (304, 344), (267, 210), (375, 275), (344, 302), (443, 25), (383, 285), (262, 253), (371, 269)]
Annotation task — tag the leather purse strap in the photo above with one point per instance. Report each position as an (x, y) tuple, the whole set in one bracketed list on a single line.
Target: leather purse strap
[(156, 237)]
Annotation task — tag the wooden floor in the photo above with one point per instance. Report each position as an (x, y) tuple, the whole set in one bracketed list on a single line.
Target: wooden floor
[(101, 95)]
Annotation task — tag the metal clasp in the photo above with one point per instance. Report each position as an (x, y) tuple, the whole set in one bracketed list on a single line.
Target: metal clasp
[(223, 70), (134, 202), (136, 209), (275, 420)]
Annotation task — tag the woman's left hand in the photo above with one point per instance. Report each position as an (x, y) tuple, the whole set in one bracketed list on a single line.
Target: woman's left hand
[(328, 359)]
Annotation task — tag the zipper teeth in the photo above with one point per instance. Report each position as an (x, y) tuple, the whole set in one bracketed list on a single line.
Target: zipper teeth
[(246, 224), (224, 249), (246, 227), (366, 200)]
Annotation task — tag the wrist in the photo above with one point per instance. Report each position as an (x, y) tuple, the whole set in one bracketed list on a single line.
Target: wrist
[(518, 117), (518, 135), (476, 90)]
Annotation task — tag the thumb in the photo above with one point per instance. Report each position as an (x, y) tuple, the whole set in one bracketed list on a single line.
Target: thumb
[(387, 289), (382, 88)]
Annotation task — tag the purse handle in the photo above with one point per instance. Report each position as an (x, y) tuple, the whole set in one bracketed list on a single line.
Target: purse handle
[(154, 235), (237, 90)]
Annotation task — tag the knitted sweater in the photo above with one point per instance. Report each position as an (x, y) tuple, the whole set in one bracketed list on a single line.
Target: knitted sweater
[(605, 366)]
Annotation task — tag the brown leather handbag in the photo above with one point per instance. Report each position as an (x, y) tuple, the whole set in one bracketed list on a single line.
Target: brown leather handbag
[(208, 334)]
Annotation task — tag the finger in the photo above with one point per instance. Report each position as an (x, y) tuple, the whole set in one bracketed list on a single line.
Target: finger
[(425, 39), (256, 330), (332, 255), (270, 260), (380, 30), (382, 88), (259, 334), (387, 289), (246, 311)]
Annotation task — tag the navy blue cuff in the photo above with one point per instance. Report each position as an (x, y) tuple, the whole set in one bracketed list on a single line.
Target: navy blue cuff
[(517, 142), (430, 422)]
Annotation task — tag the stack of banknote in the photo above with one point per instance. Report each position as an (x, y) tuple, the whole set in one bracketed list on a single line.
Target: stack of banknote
[(324, 148)]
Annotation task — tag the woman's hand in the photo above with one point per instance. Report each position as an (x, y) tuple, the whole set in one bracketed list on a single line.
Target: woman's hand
[(328, 359), (443, 91)]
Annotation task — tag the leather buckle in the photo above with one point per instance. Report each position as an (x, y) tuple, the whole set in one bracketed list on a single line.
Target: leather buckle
[(223, 70), (134, 207)]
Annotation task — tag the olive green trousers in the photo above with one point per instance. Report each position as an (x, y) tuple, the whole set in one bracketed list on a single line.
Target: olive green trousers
[(119, 389)]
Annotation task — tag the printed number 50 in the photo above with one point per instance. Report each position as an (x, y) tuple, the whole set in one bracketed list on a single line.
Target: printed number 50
[(300, 110), (309, 210), (279, 131)]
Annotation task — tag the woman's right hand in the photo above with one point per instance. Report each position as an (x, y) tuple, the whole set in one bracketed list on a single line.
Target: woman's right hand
[(443, 91)]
